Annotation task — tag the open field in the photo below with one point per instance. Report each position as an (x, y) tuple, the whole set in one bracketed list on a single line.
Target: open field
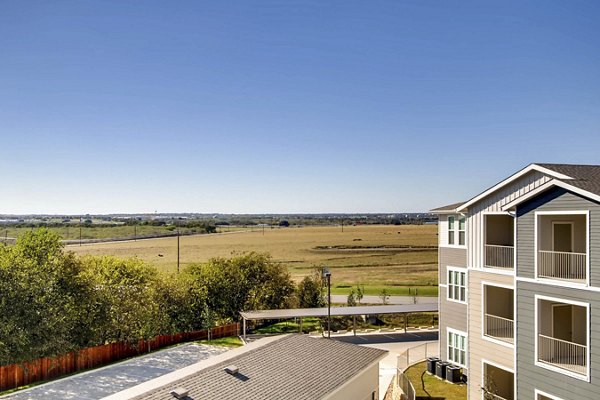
[(396, 257), (71, 232)]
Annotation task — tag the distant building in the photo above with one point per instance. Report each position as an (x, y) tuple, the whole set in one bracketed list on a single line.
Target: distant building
[(294, 367)]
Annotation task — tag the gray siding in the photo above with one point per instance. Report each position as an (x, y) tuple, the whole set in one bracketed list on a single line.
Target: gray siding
[(555, 200), (530, 376)]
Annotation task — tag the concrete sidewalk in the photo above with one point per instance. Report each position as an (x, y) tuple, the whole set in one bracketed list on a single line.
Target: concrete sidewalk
[(101, 382)]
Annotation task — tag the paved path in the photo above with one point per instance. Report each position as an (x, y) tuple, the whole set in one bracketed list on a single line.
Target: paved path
[(395, 343), (342, 298), (105, 381)]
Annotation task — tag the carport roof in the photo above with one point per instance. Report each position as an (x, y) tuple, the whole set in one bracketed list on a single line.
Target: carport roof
[(338, 311)]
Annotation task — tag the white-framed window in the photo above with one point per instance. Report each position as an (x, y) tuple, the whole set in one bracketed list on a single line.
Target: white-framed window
[(457, 347), (461, 231), (451, 228), (457, 284)]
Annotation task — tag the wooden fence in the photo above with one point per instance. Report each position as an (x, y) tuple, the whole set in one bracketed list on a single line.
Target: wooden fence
[(16, 375)]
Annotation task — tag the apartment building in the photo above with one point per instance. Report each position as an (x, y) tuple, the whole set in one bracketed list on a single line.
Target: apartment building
[(519, 285)]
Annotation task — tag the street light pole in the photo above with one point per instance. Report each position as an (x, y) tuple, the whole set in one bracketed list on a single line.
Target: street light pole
[(327, 274)]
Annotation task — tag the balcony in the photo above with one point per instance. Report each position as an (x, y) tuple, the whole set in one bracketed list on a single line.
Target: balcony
[(498, 383), (498, 316), (499, 328), (499, 250), (499, 256), (562, 336), (562, 247), (562, 265), (563, 354)]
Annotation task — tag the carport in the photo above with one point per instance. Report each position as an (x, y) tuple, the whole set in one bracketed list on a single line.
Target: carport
[(300, 313)]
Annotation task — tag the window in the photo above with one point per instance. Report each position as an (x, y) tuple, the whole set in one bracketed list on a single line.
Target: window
[(457, 285), (457, 348), (461, 231), (450, 230)]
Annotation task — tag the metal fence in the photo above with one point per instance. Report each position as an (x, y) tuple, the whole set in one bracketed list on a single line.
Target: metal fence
[(562, 265), (499, 256), (403, 389)]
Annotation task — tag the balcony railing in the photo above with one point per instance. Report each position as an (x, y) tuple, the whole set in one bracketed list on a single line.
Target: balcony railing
[(491, 396), (563, 354), (562, 265), (499, 328), (499, 256)]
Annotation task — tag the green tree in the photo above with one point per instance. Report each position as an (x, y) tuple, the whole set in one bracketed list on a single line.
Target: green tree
[(248, 281), (351, 301), (125, 298), (42, 290), (310, 292)]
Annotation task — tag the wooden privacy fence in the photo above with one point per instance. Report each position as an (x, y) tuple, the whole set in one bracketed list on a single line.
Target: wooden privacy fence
[(16, 375)]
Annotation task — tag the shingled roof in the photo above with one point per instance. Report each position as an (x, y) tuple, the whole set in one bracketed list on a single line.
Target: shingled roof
[(446, 209), (586, 177), (291, 367)]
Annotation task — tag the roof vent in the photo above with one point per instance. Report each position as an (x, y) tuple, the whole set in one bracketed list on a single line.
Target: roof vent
[(232, 370), (180, 393)]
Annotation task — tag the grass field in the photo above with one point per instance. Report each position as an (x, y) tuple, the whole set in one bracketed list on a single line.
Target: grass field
[(430, 387), (71, 232), (377, 256)]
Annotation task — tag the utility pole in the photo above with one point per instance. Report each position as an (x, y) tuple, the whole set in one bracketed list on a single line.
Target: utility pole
[(178, 248), (80, 231), (135, 233), (342, 226), (327, 274)]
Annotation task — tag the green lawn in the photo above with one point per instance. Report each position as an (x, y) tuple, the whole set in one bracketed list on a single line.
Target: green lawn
[(231, 341), (429, 387)]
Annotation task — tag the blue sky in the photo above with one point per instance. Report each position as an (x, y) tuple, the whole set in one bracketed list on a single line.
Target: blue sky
[(296, 106)]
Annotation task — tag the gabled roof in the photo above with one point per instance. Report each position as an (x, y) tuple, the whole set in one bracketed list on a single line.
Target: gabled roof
[(450, 208), (286, 367), (583, 179)]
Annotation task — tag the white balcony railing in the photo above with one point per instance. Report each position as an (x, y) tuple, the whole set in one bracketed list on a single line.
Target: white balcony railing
[(563, 354), (499, 256), (499, 328), (562, 265), (491, 396)]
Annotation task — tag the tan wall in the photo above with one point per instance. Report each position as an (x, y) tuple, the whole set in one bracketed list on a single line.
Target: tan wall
[(480, 348), (545, 231), (360, 387)]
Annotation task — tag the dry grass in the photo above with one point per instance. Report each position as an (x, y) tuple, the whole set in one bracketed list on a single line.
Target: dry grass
[(302, 249)]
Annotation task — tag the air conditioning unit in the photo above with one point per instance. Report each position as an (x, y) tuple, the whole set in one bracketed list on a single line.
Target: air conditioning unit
[(431, 362), (440, 369), (453, 374)]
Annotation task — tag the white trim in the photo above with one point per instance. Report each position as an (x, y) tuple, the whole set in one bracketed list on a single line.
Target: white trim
[(499, 366), (460, 333), (443, 285), (561, 371), (587, 246), (453, 246), (510, 179), (548, 185), (560, 284), (539, 393), (463, 270), (483, 312)]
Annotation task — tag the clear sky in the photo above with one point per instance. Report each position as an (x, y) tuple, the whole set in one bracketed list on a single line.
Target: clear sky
[(288, 106)]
